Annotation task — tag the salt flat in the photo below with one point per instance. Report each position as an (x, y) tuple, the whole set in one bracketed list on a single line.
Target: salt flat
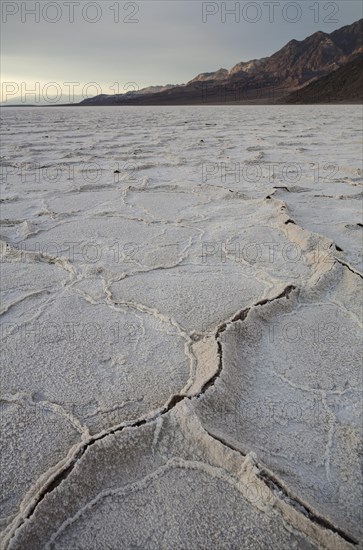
[(181, 327)]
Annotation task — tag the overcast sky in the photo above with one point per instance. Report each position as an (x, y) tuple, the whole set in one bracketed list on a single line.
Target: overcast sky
[(150, 42)]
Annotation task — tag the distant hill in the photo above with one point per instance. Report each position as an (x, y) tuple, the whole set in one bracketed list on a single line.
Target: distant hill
[(265, 80), (342, 85), (127, 97)]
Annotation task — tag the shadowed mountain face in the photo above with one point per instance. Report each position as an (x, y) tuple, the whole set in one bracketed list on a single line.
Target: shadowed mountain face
[(298, 62), (344, 84), (268, 79)]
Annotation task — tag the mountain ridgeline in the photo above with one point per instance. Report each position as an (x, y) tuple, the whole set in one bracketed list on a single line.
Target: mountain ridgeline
[(310, 70)]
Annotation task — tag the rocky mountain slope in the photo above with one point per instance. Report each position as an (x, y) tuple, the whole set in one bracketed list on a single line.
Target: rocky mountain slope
[(343, 84)]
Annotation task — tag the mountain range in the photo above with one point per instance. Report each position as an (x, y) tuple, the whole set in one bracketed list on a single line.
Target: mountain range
[(284, 77)]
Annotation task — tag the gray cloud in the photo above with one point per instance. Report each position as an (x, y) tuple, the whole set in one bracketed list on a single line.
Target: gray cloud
[(170, 43)]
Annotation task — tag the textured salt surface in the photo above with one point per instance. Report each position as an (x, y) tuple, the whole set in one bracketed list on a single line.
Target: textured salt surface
[(180, 328)]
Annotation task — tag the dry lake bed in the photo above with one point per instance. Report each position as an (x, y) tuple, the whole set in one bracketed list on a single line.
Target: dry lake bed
[(181, 328)]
